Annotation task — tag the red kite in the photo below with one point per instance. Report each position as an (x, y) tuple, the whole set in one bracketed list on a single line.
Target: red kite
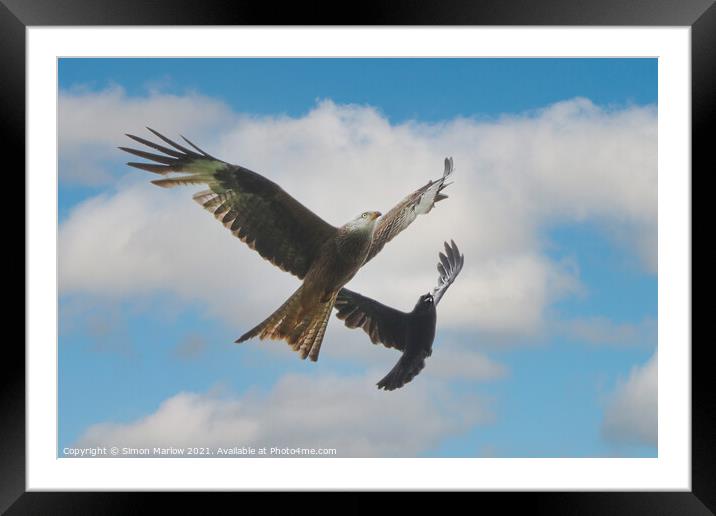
[(286, 233)]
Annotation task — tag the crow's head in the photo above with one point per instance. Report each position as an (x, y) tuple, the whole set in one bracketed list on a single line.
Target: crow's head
[(425, 303)]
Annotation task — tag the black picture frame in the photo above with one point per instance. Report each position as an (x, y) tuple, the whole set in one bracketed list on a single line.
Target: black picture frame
[(17, 15)]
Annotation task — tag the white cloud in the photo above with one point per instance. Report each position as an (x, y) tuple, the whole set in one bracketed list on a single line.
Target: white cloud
[(92, 125), (631, 413), (515, 176), (348, 414), (138, 242)]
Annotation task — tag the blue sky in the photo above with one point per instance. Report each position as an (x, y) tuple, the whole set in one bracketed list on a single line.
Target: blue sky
[(565, 371), (426, 89)]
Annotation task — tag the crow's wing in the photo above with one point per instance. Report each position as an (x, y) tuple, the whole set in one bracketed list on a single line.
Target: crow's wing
[(406, 211), (383, 324), (253, 208), (449, 267)]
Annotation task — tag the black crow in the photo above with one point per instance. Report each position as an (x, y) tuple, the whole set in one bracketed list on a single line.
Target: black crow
[(412, 333)]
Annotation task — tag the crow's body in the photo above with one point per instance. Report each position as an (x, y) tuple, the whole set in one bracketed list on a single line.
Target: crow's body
[(420, 334), (412, 333)]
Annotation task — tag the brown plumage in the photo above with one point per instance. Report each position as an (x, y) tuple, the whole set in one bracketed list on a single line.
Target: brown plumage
[(286, 233), (303, 318)]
